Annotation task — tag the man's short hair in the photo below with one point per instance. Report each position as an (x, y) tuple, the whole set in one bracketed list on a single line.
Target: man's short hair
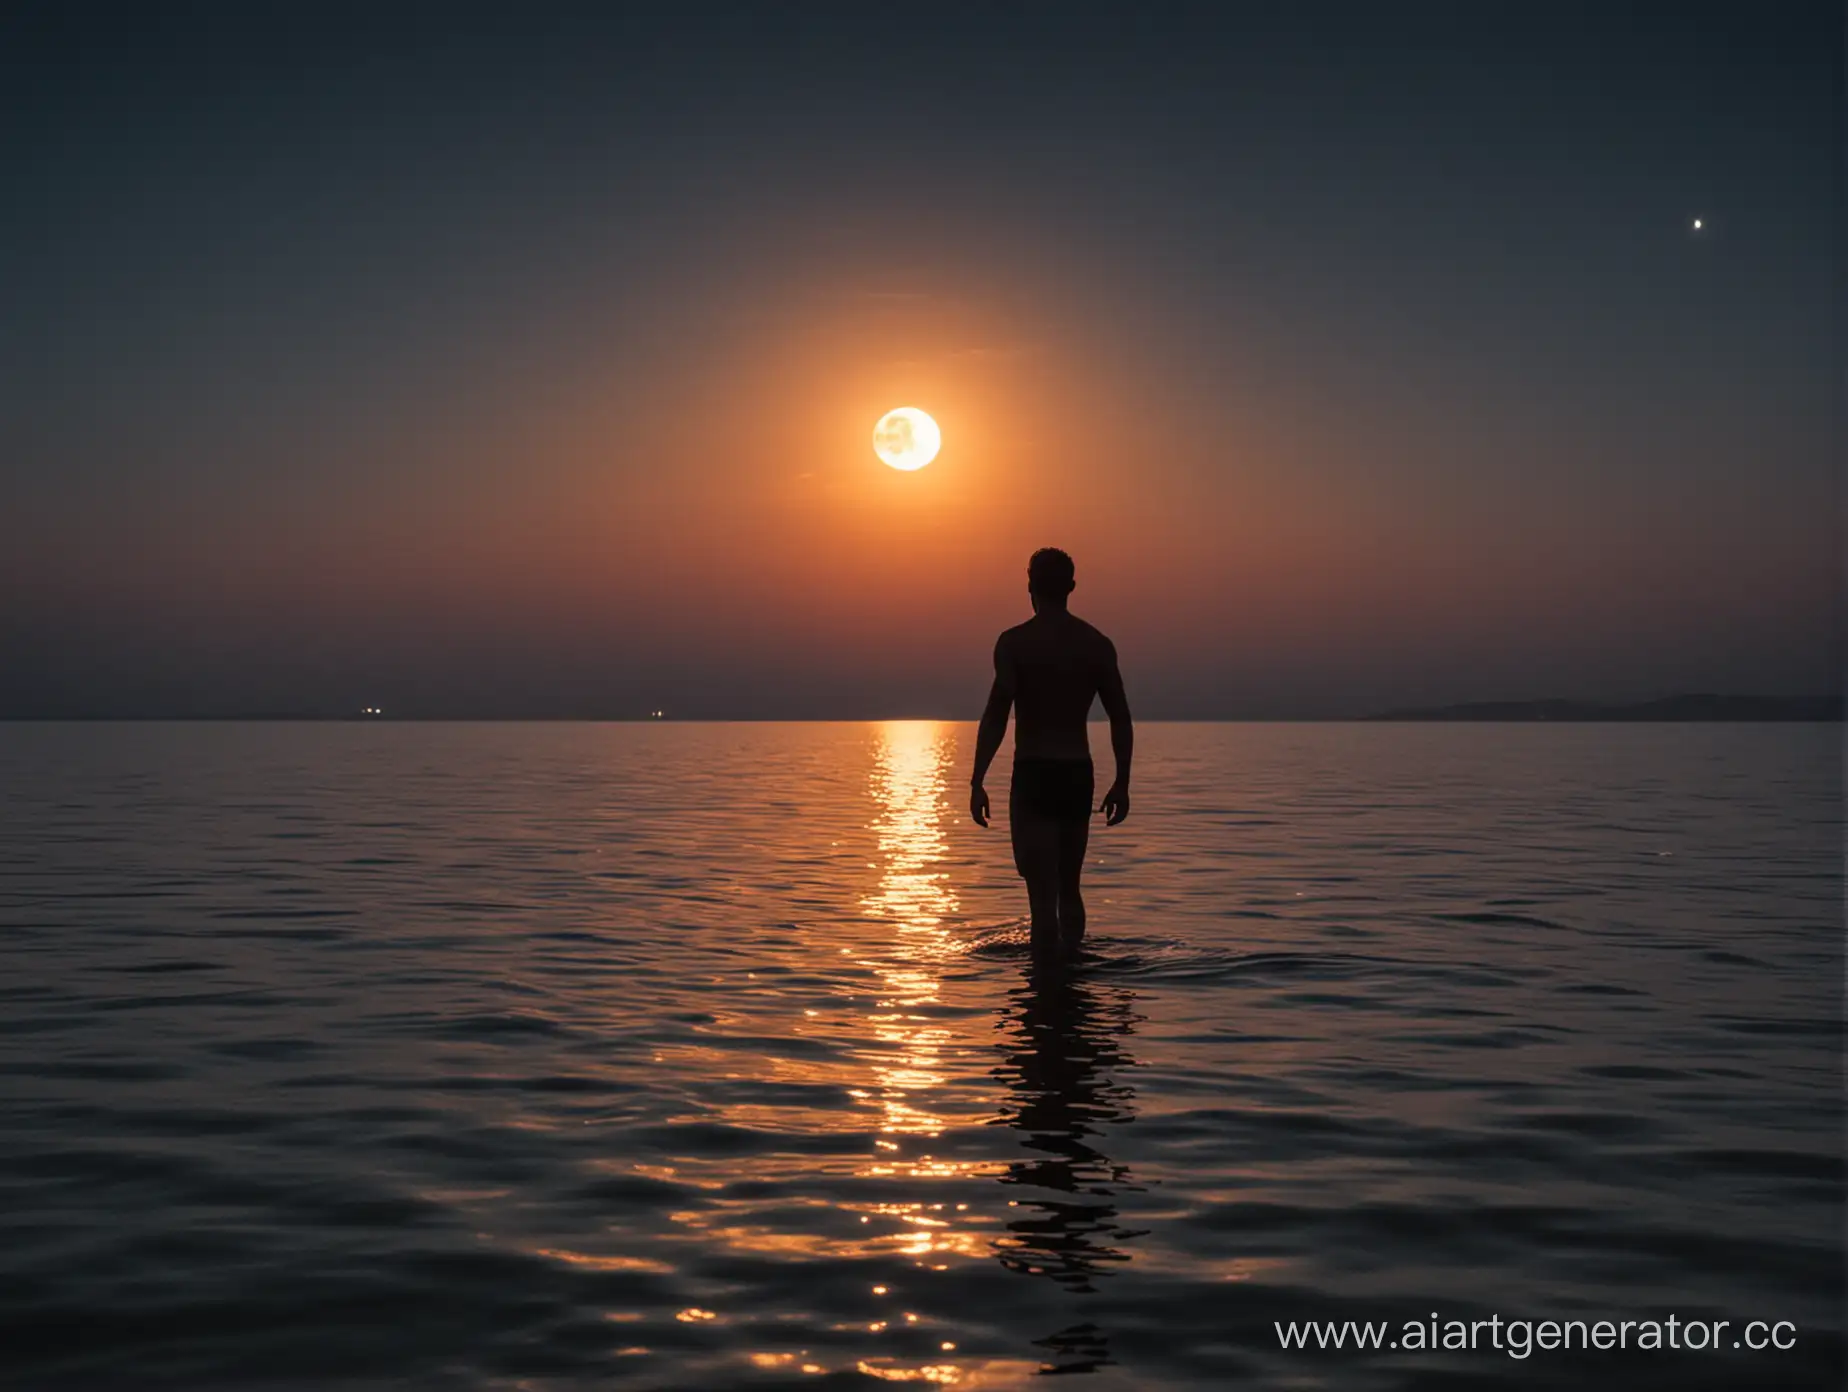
[(1051, 572)]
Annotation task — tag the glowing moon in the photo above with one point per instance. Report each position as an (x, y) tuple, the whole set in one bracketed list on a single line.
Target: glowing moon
[(907, 438)]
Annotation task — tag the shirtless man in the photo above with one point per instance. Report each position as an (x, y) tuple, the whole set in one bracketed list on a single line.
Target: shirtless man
[(1049, 669)]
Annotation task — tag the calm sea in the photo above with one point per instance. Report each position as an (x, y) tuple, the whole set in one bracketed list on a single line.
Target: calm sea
[(702, 1056)]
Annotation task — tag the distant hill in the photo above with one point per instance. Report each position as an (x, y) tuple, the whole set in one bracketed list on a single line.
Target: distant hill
[(1697, 707)]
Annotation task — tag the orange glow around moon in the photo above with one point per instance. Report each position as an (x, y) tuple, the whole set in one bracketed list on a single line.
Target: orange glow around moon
[(907, 438)]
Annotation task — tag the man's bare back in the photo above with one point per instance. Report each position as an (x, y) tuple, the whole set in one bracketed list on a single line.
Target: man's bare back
[(1057, 664), (1049, 670)]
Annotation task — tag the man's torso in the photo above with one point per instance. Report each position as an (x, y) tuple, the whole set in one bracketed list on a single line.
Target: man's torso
[(1058, 664)]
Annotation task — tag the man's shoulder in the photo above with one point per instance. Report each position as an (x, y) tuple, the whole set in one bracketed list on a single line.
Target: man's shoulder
[(1094, 636), (1012, 636), (1008, 646)]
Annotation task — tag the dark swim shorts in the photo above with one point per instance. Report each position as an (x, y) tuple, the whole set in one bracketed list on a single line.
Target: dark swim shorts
[(1057, 788)]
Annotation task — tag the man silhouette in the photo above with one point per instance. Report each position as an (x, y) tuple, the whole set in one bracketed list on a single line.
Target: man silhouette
[(1049, 669)]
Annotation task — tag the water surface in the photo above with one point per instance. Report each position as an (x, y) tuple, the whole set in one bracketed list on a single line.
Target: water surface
[(703, 1056)]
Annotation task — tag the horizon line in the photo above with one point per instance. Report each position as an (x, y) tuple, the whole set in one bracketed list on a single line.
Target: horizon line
[(1686, 707)]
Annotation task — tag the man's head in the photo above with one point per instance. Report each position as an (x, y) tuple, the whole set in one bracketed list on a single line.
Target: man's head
[(1050, 577)]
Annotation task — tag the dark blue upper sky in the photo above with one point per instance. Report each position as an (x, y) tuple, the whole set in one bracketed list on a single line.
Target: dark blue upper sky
[(293, 293)]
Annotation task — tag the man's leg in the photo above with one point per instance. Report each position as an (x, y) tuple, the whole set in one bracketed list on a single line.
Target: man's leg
[(1036, 857), (1074, 836)]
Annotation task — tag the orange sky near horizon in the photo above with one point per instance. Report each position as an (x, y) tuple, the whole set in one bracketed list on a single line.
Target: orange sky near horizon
[(722, 497)]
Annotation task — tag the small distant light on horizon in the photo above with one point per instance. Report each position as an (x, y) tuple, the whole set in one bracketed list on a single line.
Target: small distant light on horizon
[(1697, 224)]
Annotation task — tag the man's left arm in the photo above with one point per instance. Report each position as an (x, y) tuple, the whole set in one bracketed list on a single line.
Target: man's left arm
[(994, 725)]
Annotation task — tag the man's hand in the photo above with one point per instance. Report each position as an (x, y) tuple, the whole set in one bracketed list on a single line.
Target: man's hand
[(1115, 805), (978, 804)]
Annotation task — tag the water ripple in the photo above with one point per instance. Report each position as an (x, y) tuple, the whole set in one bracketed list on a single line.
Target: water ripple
[(570, 1056)]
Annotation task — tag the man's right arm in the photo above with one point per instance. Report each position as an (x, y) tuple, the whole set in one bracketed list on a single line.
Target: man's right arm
[(1115, 806), (994, 725)]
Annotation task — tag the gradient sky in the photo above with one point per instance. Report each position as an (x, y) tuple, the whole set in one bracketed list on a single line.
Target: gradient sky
[(523, 360)]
